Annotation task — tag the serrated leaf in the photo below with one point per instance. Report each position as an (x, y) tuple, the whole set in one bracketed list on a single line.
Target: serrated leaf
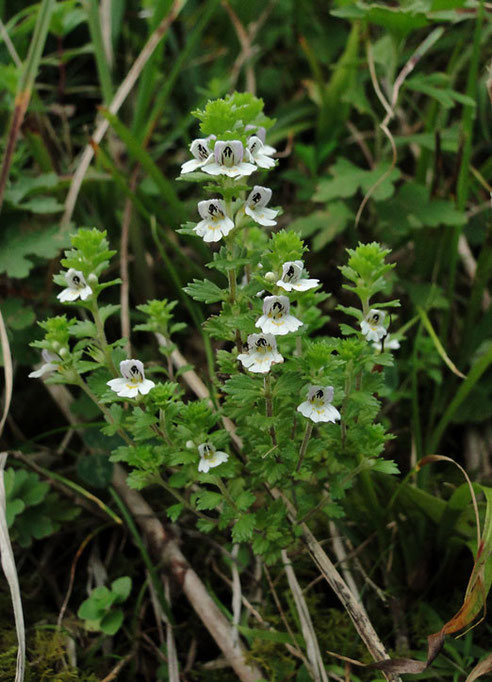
[(208, 499), (243, 528), (205, 291)]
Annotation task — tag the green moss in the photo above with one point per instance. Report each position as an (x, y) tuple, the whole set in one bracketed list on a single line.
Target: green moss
[(46, 658)]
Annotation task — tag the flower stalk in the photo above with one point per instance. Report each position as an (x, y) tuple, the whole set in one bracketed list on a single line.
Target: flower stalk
[(304, 445)]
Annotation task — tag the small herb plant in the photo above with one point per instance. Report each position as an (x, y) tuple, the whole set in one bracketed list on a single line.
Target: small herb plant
[(98, 610), (292, 416)]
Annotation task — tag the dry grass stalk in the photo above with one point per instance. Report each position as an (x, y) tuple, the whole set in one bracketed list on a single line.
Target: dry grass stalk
[(120, 96)]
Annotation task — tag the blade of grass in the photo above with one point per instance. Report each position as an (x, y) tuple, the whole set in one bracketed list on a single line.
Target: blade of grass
[(70, 484), (463, 176), (147, 85), (24, 91), (143, 157), (120, 96), (8, 565), (143, 552), (474, 375), (163, 94), (121, 182), (439, 347), (91, 8), (7, 371)]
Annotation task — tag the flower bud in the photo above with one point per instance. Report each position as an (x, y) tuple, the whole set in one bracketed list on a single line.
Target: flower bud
[(190, 444), (63, 353), (270, 277), (92, 279)]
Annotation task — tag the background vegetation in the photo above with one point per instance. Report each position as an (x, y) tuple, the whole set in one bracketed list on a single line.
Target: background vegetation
[(383, 126)]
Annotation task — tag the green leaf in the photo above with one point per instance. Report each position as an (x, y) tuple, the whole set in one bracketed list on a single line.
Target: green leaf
[(17, 244), (207, 499), (122, 588), (95, 469), (206, 291), (243, 528), (348, 179), (385, 466), (111, 622), (174, 511), (413, 208)]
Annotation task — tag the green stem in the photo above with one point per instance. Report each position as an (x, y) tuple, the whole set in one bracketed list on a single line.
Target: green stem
[(172, 491), (473, 376), (104, 410), (103, 342), (223, 489), (267, 383), (304, 444)]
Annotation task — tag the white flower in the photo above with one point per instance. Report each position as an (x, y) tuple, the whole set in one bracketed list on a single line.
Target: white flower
[(215, 223), (276, 318), (210, 457), (202, 153), (318, 405), (77, 286), (255, 206), (229, 160), (257, 155), (262, 353), (291, 277), (389, 343), (51, 363), (133, 381), (261, 133), (372, 326)]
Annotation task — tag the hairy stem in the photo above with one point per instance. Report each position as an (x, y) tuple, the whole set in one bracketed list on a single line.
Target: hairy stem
[(269, 406), (304, 444)]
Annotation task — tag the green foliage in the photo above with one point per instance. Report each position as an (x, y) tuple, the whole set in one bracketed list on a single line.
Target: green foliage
[(227, 118), (98, 610), (33, 512), (19, 248), (89, 253)]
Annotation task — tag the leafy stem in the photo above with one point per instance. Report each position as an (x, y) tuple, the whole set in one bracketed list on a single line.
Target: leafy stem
[(104, 410), (304, 445), (269, 406), (172, 491), (101, 336)]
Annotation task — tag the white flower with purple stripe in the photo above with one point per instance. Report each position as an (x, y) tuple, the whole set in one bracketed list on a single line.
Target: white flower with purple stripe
[(210, 457), (372, 325), (201, 153), (260, 132), (215, 223), (257, 155), (292, 277), (318, 405), (255, 206), (133, 380), (262, 353), (229, 160), (77, 287), (276, 318)]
